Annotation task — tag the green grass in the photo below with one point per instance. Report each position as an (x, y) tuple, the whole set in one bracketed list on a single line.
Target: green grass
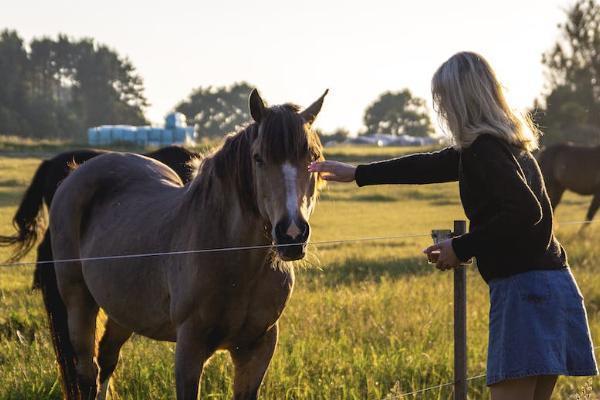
[(366, 320)]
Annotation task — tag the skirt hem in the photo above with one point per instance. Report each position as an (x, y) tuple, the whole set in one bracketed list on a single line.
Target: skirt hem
[(524, 374)]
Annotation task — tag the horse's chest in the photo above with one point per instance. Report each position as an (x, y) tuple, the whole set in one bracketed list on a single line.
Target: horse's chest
[(254, 308)]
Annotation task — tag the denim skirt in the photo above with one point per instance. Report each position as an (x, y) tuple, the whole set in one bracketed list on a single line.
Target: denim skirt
[(538, 326)]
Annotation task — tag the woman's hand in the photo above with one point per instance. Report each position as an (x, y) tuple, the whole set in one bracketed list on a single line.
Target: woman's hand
[(333, 170), (447, 258)]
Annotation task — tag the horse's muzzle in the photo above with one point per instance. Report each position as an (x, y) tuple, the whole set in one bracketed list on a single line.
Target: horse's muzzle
[(292, 253), (290, 247)]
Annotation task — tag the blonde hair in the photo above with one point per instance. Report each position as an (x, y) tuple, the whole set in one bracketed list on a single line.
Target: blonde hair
[(470, 101)]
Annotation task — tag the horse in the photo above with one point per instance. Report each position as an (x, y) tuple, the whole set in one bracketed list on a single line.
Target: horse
[(253, 191), (576, 168), (28, 220)]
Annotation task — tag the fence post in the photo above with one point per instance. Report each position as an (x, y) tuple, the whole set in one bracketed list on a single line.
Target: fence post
[(460, 323)]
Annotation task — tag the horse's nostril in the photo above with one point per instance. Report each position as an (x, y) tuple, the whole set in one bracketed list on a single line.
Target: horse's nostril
[(279, 232), (305, 231)]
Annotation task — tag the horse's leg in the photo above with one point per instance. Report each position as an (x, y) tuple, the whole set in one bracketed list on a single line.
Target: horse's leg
[(555, 193), (108, 353), (595, 204), (190, 355), (82, 311), (251, 364)]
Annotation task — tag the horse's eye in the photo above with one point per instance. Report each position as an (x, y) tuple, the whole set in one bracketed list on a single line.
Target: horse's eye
[(258, 159)]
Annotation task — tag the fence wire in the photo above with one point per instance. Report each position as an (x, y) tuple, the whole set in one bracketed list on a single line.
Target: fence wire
[(242, 248), (217, 250)]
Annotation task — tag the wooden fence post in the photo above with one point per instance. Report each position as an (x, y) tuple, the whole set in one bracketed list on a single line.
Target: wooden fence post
[(460, 323)]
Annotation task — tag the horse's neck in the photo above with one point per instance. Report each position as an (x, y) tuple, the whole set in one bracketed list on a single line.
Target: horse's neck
[(220, 220)]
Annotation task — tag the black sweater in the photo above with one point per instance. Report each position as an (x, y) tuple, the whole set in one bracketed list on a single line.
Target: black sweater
[(503, 195)]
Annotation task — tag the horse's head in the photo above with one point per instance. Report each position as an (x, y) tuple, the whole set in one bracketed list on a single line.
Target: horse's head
[(285, 191)]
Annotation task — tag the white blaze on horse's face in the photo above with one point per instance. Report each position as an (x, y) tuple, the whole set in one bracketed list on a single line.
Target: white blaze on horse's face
[(289, 178)]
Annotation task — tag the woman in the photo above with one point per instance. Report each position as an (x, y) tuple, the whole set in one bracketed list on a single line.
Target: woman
[(538, 323)]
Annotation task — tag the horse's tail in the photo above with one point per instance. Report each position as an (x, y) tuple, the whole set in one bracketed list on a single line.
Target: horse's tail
[(59, 329), (27, 220)]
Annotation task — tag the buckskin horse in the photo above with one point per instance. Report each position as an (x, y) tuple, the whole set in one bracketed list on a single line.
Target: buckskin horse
[(255, 190), (576, 168)]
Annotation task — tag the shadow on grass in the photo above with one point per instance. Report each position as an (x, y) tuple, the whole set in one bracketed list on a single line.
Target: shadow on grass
[(357, 270), (359, 197), (424, 195), (12, 182), (434, 199), (9, 199), (445, 202), (577, 201)]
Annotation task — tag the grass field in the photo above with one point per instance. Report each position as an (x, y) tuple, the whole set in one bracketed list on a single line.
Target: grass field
[(367, 320)]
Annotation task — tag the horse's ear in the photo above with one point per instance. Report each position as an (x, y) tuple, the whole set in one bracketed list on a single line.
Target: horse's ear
[(257, 106), (311, 112)]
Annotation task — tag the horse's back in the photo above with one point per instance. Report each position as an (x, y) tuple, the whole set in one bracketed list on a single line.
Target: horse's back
[(126, 169), (177, 158), (574, 167), (108, 178)]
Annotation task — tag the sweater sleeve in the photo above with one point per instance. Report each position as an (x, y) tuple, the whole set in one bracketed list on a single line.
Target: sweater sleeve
[(420, 168), (505, 183)]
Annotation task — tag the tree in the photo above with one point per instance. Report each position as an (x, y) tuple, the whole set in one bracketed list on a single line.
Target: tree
[(61, 87), (572, 104), (107, 86), (398, 113), (339, 135), (217, 110), (13, 83)]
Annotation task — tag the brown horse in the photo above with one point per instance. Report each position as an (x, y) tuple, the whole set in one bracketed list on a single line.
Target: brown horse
[(576, 168), (253, 191)]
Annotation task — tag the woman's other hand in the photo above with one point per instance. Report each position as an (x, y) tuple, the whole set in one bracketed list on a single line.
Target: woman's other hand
[(334, 171), (447, 258)]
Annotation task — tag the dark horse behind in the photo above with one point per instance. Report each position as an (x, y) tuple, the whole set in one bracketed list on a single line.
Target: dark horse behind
[(567, 166)]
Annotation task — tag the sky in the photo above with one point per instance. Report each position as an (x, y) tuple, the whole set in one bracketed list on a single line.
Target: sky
[(293, 51)]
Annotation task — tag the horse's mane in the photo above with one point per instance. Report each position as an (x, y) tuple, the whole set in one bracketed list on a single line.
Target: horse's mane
[(284, 136)]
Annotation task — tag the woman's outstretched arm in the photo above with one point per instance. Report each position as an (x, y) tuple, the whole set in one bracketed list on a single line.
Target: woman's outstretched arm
[(419, 168)]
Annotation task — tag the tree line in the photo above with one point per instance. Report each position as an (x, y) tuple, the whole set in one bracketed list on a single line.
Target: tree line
[(570, 108), (60, 87)]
